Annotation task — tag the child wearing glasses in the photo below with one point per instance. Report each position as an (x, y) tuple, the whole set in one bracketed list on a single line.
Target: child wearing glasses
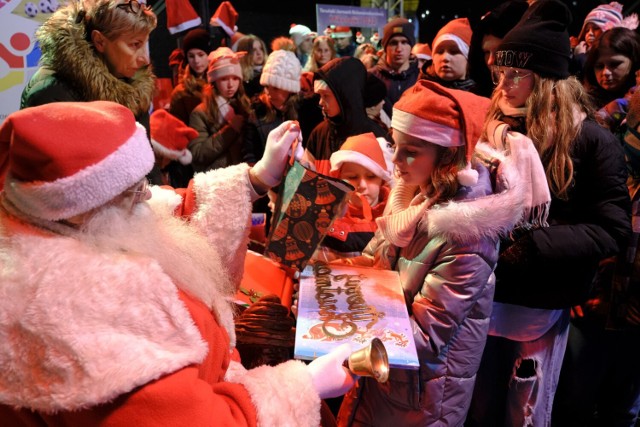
[(573, 172)]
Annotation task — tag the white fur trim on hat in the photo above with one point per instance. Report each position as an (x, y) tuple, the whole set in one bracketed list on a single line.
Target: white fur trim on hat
[(338, 158), (183, 156), (89, 188), (427, 130), (462, 45)]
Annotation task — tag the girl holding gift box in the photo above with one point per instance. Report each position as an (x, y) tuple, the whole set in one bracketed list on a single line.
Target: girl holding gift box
[(441, 231)]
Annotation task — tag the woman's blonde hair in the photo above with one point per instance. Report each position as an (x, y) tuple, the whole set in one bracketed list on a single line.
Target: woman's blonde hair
[(312, 64), (113, 21), (552, 125), (245, 44), (239, 100)]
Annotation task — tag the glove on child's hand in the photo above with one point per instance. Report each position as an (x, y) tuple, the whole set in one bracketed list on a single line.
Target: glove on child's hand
[(270, 168)]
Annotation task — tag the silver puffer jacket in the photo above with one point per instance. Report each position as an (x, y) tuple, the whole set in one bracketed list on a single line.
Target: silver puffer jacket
[(447, 276)]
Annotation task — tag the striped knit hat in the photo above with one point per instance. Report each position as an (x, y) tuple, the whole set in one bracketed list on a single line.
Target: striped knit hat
[(605, 16)]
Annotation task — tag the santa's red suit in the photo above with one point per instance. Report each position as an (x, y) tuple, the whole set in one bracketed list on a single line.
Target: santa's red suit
[(94, 335)]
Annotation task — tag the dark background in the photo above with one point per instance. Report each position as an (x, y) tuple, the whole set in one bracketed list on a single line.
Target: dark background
[(269, 19)]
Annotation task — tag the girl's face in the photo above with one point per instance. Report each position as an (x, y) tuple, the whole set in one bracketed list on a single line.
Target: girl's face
[(364, 181), (125, 55), (227, 86), (328, 103), (516, 84), (448, 62), (198, 61), (322, 53), (277, 96), (414, 159), (611, 69), (257, 56), (591, 34)]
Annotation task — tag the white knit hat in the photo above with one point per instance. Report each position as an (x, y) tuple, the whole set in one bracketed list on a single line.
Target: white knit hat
[(365, 150), (299, 33), (282, 70), (63, 159)]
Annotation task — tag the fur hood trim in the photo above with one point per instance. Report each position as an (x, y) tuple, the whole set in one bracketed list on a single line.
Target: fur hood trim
[(289, 384), (66, 51), (490, 216), (70, 355)]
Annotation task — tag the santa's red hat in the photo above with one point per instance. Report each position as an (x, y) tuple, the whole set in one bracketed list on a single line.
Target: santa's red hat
[(225, 17), (458, 31), (181, 16), (170, 136), (365, 150), (442, 116), (63, 159)]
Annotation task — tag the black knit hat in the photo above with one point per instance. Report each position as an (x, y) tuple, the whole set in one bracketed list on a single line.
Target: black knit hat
[(398, 26), (374, 91), (196, 39), (540, 41), (499, 21)]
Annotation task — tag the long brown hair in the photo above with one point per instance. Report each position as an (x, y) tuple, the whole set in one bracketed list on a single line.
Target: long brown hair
[(210, 93), (290, 107), (552, 125), (444, 178), (245, 44)]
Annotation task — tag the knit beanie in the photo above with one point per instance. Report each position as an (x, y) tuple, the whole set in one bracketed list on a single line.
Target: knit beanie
[(540, 41), (374, 91), (196, 39), (282, 70), (442, 116), (224, 62), (398, 27), (499, 21), (604, 16), (170, 136), (365, 150), (458, 31), (63, 159), (299, 33)]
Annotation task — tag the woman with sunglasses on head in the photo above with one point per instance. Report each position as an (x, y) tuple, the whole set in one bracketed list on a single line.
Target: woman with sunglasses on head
[(573, 173), (96, 50)]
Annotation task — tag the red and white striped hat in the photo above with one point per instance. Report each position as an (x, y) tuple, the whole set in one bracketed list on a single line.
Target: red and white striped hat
[(66, 158)]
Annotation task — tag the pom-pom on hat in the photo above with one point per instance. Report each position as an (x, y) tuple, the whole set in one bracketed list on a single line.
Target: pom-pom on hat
[(442, 116), (340, 32), (540, 41), (398, 27), (458, 31), (282, 70), (170, 136), (365, 150), (224, 62), (63, 159), (196, 39), (299, 33), (225, 17)]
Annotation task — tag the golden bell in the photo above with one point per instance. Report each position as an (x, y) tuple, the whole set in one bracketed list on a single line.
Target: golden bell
[(371, 361)]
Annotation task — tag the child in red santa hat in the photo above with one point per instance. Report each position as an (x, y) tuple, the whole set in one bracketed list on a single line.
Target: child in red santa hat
[(360, 162), (440, 231)]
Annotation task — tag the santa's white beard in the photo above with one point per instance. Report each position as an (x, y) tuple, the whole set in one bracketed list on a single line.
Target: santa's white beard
[(182, 253)]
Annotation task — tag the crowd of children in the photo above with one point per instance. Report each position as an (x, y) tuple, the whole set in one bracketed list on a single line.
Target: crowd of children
[(494, 168)]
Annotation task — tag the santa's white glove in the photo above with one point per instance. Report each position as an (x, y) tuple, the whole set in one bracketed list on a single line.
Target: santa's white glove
[(330, 378), (270, 167)]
